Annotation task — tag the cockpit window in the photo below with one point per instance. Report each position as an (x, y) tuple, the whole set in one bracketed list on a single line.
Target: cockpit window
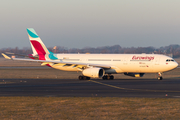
[(168, 60)]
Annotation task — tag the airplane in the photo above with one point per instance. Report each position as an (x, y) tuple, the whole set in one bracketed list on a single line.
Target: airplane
[(97, 65)]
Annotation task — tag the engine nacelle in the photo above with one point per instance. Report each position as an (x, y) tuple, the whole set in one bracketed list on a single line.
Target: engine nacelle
[(93, 72), (134, 74)]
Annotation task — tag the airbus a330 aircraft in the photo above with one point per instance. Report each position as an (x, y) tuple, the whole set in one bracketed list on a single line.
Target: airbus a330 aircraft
[(98, 65)]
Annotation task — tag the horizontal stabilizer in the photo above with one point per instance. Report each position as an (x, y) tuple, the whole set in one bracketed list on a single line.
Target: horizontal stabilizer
[(7, 57), (22, 55)]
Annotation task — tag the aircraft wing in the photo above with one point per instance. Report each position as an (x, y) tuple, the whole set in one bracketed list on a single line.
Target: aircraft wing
[(74, 64)]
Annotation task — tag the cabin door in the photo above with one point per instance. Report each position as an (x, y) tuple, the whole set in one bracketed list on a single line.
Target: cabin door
[(157, 61)]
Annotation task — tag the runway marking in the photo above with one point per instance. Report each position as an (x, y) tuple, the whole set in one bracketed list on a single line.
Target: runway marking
[(121, 88), (177, 96), (6, 82)]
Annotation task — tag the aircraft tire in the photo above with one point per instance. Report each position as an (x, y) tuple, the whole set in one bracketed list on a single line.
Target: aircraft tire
[(106, 77), (111, 77), (80, 77), (84, 78), (160, 78)]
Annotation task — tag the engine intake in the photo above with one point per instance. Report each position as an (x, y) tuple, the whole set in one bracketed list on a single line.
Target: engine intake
[(93, 72)]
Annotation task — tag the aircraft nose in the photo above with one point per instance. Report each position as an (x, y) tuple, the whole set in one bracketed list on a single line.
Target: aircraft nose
[(175, 64)]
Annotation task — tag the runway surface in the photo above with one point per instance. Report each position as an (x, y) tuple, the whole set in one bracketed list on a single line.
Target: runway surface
[(150, 88)]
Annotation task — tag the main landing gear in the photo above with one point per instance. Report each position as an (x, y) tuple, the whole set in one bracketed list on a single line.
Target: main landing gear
[(83, 78), (108, 77), (160, 76), (105, 77)]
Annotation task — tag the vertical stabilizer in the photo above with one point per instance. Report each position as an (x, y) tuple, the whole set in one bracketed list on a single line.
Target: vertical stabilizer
[(37, 45)]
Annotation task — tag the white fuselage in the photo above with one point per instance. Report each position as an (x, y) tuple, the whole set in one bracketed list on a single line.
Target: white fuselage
[(120, 63)]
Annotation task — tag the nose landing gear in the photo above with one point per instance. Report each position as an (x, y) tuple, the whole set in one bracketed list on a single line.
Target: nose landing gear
[(160, 76)]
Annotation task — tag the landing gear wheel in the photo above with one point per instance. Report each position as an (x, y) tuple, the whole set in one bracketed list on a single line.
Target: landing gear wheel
[(104, 77), (112, 77), (80, 77), (160, 78), (108, 77), (83, 78)]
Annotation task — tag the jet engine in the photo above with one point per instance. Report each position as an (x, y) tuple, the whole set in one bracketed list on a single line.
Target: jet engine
[(93, 72), (134, 74)]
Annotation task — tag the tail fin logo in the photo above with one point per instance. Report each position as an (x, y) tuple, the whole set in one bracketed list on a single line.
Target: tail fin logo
[(32, 33), (38, 46)]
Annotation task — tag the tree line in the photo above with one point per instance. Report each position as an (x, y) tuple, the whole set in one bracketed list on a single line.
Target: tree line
[(173, 50)]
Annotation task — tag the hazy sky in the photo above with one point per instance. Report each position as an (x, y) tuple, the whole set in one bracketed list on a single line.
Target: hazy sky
[(90, 23)]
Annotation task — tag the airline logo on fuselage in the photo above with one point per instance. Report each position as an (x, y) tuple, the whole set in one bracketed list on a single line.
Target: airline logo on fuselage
[(141, 58)]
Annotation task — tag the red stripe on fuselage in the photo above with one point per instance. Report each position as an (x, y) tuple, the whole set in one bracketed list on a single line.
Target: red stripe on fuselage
[(39, 49)]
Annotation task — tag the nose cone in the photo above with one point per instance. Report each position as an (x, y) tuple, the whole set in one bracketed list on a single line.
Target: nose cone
[(177, 64), (174, 64)]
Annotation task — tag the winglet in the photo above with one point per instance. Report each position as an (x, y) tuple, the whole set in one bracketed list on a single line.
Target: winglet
[(7, 57)]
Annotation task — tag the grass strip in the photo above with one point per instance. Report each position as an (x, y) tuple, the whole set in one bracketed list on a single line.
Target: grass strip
[(88, 108)]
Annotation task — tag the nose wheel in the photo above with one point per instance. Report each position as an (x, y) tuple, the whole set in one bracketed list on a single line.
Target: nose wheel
[(160, 76)]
